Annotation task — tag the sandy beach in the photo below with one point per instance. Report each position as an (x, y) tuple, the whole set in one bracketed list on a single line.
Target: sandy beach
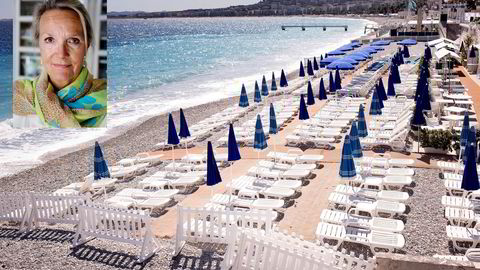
[(49, 247)]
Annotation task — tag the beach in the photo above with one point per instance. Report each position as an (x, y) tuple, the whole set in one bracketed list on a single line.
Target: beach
[(51, 245)]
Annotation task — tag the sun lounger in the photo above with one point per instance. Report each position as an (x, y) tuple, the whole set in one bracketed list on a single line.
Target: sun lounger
[(461, 216), (268, 192), (283, 157), (128, 202), (370, 238), (248, 181), (387, 195), (460, 202), (454, 167), (136, 193), (193, 159), (386, 162), (396, 181), (265, 204), (393, 172), (463, 238), (373, 223), (179, 167), (285, 167), (121, 172), (151, 158)]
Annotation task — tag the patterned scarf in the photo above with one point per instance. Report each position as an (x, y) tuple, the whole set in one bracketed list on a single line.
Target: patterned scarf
[(83, 103)]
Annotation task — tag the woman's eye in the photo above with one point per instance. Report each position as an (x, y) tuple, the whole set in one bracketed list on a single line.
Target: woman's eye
[(49, 40), (74, 41)]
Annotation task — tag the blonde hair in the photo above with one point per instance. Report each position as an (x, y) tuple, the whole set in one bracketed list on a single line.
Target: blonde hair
[(74, 5)]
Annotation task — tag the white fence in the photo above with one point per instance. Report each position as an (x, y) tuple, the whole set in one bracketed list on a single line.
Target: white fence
[(127, 226), (281, 251), (14, 207), (54, 208), (217, 225)]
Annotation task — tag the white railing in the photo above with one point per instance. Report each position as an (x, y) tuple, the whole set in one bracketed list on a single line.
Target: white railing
[(217, 225), (54, 209), (282, 251), (127, 226), (14, 207)]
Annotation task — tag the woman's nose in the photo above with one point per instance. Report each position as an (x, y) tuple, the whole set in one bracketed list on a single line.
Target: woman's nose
[(62, 49)]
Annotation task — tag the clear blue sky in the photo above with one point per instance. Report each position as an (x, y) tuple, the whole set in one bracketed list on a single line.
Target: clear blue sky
[(170, 5), (6, 9)]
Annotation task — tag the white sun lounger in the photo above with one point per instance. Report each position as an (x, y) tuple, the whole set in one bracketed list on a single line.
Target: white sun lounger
[(283, 157), (454, 167), (453, 176), (309, 159), (464, 235), (285, 167), (373, 223), (460, 202), (461, 216), (267, 192), (247, 181), (151, 158), (194, 159), (128, 202), (393, 171), (266, 204), (385, 162), (141, 194), (88, 185), (179, 167), (371, 238), (387, 195), (397, 181)]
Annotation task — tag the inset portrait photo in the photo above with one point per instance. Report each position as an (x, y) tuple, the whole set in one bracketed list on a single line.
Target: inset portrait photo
[(59, 64)]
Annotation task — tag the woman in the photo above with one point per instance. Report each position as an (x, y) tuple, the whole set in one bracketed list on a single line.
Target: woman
[(64, 94)]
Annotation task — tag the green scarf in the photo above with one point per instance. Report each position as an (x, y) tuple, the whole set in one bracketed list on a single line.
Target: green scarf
[(82, 103)]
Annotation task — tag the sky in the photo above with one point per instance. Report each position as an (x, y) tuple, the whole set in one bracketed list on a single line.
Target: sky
[(6, 9), (169, 5)]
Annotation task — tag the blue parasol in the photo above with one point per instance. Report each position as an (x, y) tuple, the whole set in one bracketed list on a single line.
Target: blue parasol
[(309, 68), (213, 175), (243, 97), (302, 71), (233, 152), (362, 125), (100, 168), (184, 132), (274, 83), (303, 114), (322, 94), (347, 166), (310, 97), (340, 65), (315, 64), (283, 80), (172, 132), (338, 80), (259, 141), (375, 107), (257, 97), (331, 83), (264, 86)]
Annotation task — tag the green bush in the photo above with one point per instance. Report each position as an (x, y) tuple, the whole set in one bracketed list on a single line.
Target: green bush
[(438, 139)]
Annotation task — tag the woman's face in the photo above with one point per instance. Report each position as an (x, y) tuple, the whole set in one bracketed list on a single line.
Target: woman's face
[(62, 45)]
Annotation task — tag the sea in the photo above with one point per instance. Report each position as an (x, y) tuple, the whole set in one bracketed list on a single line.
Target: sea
[(161, 65)]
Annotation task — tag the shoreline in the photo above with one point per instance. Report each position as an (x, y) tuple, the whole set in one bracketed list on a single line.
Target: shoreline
[(127, 130)]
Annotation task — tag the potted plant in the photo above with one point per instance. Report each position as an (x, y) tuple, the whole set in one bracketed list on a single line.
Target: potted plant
[(436, 141)]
